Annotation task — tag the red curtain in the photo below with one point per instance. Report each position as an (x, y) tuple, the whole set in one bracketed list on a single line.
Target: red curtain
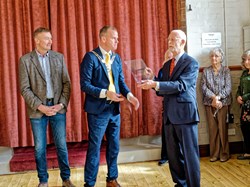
[(143, 27), (18, 20)]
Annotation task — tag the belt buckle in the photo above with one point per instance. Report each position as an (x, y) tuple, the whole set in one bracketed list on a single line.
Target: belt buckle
[(109, 101), (49, 100)]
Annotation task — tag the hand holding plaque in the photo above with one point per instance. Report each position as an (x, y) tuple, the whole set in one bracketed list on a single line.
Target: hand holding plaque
[(139, 70)]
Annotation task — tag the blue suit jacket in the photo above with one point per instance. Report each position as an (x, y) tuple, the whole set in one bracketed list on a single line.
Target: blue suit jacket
[(94, 78), (179, 91)]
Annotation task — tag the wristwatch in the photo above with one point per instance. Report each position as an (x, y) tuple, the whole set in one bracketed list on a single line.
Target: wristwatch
[(62, 105)]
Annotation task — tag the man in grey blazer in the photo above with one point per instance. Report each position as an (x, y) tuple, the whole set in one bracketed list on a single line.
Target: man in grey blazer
[(45, 87), (181, 117)]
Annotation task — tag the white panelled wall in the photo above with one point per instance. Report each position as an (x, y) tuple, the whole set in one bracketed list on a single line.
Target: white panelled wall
[(227, 17)]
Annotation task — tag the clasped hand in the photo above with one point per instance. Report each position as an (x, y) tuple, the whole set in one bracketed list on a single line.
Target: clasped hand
[(216, 103), (114, 96), (49, 110), (118, 98)]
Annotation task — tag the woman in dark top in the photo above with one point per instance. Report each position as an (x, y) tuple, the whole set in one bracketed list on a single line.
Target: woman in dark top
[(216, 89), (243, 98)]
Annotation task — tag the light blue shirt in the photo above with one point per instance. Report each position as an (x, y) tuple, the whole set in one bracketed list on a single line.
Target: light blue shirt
[(44, 62)]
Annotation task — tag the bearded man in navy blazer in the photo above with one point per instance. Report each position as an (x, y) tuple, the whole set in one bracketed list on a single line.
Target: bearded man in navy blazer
[(181, 115), (104, 86)]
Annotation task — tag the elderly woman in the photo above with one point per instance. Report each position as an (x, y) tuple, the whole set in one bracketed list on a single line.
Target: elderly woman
[(216, 89), (243, 98)]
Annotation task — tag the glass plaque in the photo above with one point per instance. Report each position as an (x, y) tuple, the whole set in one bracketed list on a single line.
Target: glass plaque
[(138, 69)]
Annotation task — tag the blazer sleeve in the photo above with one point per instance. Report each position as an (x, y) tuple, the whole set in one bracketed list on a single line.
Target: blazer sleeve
[(25, 86), (87, 74), (159, 78), (66, 84), (121, 80), (206, 76)]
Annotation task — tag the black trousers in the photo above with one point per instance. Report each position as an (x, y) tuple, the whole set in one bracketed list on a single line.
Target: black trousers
[(164, 153)]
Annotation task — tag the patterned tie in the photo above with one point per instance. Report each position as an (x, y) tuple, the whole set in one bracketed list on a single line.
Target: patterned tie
[(172, 64), (111, 80)]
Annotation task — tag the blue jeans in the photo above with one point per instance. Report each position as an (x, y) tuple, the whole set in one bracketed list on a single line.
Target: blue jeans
[(108, 122), (58, 127)]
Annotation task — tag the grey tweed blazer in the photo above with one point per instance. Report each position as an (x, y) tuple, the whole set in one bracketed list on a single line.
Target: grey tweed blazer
[(33, 85)]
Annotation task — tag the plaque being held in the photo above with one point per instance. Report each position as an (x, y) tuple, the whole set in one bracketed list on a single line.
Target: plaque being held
[(139, 70)]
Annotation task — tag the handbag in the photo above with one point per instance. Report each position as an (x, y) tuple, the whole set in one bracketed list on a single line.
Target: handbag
[(230, 118)]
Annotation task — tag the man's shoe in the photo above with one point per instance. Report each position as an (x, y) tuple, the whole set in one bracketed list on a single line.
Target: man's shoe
[(162, 162), (43, 184), (242, 157), (113, 183), (86, 185), (67, 183)]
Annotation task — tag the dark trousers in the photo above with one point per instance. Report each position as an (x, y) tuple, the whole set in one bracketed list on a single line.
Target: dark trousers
[(108, 122), (164, 153), (183, 154), (245, 129)]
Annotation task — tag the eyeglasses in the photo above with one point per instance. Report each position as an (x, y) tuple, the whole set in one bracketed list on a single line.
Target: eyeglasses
[(173, 39), (216, 56)]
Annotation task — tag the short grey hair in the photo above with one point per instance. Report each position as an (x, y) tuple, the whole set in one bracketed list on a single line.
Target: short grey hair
[(105, 29), (217, 50), (40, 30), (243, 56)]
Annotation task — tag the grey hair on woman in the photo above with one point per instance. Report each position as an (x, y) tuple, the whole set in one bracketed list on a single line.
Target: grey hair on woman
[(218, 50), (244, 56)]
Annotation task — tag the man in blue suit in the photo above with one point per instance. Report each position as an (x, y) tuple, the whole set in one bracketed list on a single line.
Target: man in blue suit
[(102, 80), (178, 86)]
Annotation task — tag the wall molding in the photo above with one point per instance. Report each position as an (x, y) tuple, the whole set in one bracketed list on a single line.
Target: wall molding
[(234, 147)]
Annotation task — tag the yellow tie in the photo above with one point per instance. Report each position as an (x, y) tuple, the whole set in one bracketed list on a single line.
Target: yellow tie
[(111, 80)]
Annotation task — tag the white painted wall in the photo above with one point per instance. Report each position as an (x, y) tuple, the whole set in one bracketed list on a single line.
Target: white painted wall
[(225, 16), (228, 17)]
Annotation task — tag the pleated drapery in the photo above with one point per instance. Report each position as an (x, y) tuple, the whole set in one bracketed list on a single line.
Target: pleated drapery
[(143, 27)]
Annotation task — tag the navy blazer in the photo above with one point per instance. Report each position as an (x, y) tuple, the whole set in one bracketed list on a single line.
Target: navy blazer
[(94, 78), (179, 91)]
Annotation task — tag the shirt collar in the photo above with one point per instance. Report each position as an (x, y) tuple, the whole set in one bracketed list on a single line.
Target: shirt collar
[(105, 52), (177, 57), (40, 55)]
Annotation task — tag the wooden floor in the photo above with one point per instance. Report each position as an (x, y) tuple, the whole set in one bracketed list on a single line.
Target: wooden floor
[(233, 173)]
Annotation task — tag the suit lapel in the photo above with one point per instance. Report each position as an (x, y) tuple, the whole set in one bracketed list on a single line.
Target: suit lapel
[(98, 51), (35, 61), (52, 64), (165, 71), (178, 66), (113, 67)]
